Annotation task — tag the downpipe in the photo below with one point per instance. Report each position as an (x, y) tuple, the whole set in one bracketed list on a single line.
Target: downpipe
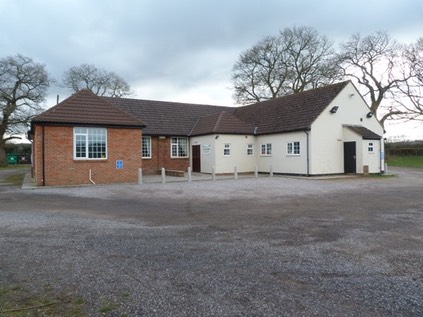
[(89, 177)]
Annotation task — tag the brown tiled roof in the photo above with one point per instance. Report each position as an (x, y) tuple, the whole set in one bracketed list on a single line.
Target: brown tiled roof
[(84, 107), (290, 113), (223, 122), (166, 118), (364, 132)]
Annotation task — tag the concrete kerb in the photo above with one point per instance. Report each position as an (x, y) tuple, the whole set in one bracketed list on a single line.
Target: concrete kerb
[(29, 183)]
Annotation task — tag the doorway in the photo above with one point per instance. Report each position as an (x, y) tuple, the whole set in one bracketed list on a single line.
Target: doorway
[(350, 162), (196, 158)]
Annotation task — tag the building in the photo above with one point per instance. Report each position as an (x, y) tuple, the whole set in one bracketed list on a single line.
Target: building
[(91, 139)]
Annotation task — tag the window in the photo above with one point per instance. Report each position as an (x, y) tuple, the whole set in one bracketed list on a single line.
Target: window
[(266, 149), (250, 149), (371, 147), (227, 149), (90, 143), (179, 147), (293, 148), (146, 146)]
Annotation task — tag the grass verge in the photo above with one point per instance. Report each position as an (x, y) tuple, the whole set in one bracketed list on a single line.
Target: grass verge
[(406, 161), (15, 301), (15, 167)]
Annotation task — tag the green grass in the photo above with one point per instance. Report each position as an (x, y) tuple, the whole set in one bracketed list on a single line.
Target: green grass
[(406, 161), (15, 166), (16, 179), (15, 301)]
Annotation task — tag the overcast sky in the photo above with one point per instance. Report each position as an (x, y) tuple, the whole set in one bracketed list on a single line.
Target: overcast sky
[(181, 50)]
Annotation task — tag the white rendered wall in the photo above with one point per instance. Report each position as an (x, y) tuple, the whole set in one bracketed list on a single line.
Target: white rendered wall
[(207, 150), (327, 132), (212, 153), (280, 161), (238, 154)]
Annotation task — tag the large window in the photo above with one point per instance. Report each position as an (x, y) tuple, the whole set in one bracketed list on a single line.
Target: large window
[(90, 143), (179, 147), (146, 147), (227, 149), (266, 149), (293, 148)]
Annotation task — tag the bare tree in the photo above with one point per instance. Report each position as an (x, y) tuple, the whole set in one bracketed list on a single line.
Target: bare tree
[(411, 97), (295, 60), (23, 87), (376, 63), (99, 81)]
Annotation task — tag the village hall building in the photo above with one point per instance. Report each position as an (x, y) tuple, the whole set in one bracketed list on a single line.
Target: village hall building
[(91, 139)]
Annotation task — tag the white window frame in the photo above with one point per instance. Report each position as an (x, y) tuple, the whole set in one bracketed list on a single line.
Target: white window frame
[(226, 149), (266, 149), (144, 147), (371, 147), (250, 149), (86, 134), (293, 149), (176, 144)]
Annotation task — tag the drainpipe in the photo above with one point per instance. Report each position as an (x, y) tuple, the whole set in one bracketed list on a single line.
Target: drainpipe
[(308, 152), (89, 177), (44, 157)]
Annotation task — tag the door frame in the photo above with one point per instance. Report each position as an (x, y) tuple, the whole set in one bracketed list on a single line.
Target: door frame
[(350, 157), (196, 158)]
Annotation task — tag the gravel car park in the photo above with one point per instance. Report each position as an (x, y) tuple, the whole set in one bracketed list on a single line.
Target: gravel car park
[(281, 246)]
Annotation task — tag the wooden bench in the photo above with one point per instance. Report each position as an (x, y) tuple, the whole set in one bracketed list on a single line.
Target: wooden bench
[(175, 173)]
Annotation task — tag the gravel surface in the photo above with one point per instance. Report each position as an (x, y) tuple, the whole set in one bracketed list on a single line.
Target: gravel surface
[(268, 247)]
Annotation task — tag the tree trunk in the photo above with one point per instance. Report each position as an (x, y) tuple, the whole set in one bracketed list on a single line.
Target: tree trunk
[(3, 157)]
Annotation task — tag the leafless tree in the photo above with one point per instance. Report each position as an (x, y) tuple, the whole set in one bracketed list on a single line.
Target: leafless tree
[(23, 87), (411, 97), (376, 63), (297, 59), (99, 81)]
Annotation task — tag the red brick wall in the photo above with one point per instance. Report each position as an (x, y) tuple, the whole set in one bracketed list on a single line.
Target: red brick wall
[(62, 169), (161, 157)]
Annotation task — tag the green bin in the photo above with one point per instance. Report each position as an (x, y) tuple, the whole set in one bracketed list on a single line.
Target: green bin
[(12, 159)]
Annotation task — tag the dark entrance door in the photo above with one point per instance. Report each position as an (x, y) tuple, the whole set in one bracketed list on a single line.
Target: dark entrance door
[(196, 158), (349, 157)]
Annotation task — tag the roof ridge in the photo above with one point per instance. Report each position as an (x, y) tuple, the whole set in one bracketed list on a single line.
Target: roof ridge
[(298, 94), (169, 102), (85, 107)]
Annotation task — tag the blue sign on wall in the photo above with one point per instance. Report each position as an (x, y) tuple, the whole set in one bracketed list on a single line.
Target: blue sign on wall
[(119, 164)]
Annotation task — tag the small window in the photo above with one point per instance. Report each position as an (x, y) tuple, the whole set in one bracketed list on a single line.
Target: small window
[(90, 143), (146, 147), (293, 148), (250, 149), (227, 149), (371, 147), (179, 147), (266, 149)]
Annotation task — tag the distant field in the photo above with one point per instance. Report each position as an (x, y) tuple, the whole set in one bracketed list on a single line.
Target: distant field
[(406, 161)]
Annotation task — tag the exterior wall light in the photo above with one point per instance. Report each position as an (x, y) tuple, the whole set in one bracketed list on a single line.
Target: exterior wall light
[(369, 114), (334, 109)]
